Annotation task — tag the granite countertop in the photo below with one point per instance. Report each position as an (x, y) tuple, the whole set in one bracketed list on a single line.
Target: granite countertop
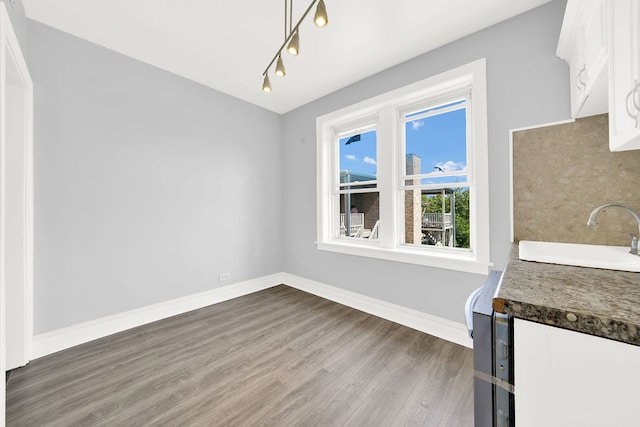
[(604, 303)]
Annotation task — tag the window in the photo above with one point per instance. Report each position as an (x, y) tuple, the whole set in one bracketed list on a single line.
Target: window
[(436, 193), (358, 187), (404, 176)]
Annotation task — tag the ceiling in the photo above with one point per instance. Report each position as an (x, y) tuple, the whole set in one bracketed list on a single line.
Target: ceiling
[(227, 45)]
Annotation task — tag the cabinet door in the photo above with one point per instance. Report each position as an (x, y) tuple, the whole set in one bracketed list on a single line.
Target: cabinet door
[(583, 44), (624, 76), (594, 50), (577, 74), (594, 42), (565, 378)]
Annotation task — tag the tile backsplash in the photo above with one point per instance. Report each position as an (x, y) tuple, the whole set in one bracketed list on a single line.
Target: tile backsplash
[(561, 172)]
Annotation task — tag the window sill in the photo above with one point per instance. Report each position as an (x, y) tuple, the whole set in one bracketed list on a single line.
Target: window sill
[(465, 262)]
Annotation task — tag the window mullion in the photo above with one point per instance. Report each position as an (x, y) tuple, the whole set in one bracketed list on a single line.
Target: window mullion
[(387, 176)]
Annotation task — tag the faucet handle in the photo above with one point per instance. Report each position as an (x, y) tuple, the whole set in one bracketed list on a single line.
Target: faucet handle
[(634, 244)]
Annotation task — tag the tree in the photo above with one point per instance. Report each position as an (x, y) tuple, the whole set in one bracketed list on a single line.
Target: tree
[(462, 218), (433, 204)]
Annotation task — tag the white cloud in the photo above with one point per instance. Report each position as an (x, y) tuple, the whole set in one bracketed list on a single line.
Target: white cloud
[(350, 157), (450, 166), (417, 124), (370, 160)]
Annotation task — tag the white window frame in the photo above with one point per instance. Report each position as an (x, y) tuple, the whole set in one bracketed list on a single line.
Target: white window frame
[(386, 111)]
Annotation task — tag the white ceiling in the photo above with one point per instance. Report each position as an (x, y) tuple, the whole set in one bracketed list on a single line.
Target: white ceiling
[(227, 44)]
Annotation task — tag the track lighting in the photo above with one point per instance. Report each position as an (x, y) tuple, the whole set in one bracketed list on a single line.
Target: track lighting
[(266, 85), (294, 44), (292, 37), (280, 72), (321, 18)]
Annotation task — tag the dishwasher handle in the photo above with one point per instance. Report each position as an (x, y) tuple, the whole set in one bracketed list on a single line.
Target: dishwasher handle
[(468, 310)]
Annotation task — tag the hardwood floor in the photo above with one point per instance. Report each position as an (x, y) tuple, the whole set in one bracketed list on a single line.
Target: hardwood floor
[(279, 357)]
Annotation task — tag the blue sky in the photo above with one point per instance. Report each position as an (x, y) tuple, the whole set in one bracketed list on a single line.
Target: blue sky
[(359, 156), (439, 141)]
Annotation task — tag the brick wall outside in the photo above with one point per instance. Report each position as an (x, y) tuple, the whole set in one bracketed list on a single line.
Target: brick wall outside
[(413, 204)]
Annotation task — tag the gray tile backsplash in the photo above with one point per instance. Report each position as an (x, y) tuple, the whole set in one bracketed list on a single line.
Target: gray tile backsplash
[(561, 172)]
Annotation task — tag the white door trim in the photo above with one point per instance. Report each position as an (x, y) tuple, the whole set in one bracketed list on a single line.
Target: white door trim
[(13, 66)]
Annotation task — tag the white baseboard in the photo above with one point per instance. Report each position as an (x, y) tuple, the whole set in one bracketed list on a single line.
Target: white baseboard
[(64, 338), (432, 325), (61, 339)]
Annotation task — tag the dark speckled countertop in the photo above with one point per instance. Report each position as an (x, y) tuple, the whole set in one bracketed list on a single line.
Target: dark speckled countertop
[(603, 303)]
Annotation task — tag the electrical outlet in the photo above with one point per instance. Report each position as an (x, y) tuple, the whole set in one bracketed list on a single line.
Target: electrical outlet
[(224, 276)]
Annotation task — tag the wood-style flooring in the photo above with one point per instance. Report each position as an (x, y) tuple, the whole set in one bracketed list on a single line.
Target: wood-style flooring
[(279, 357)]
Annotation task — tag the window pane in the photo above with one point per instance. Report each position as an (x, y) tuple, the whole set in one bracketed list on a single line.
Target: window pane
[(437, 143), (358, 157), (437, 217), (359, 213)]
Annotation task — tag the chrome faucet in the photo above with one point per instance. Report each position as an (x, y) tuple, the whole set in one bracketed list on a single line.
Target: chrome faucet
[(634, 238)]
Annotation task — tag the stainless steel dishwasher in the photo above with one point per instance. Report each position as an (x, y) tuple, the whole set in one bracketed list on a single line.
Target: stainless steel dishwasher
[(492, 335)]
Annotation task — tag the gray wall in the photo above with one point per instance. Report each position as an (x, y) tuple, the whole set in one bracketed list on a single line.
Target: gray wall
[(147, 185), (18, 22), (527, 85)]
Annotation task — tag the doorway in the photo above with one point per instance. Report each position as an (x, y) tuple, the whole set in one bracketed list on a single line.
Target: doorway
[(16, 203)]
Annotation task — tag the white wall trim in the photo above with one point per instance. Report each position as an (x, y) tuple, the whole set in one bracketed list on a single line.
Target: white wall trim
[(61, 339), (427, 323), (18, 295)]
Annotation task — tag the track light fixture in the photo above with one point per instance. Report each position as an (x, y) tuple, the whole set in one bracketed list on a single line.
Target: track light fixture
[(292, 37), (321, 18), (266, 85), (294, 44), (280, 72)]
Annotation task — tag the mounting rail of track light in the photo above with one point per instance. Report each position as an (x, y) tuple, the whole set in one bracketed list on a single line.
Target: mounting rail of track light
[(292, 37)]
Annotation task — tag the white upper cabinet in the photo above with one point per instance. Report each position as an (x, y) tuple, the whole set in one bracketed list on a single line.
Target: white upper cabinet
[(624, 75), (583, 44), (600, 39)]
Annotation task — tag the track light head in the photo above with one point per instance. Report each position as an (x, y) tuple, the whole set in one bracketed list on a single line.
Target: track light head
[(294, 44), (321, 19), (266, 85), (280, 72)]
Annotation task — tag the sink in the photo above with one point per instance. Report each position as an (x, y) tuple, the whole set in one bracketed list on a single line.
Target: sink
[(594, 256)]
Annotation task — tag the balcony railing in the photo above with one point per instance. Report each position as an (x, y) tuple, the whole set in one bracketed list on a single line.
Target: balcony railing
[(356, 224), (435, 220), (355, 219)]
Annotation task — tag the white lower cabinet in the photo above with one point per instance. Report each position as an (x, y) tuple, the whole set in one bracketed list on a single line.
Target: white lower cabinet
[(565, 378)]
